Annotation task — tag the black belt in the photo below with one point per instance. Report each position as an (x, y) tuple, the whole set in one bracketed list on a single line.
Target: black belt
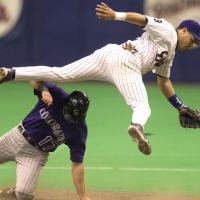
[(26, 136)]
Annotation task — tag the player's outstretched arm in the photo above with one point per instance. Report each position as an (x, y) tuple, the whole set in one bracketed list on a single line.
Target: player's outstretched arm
[(165, 86), (103, 11), (168, 90), (78, 178), (188, 117)]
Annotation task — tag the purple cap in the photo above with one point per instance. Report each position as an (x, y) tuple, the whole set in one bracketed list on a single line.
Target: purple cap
[(193, 27)]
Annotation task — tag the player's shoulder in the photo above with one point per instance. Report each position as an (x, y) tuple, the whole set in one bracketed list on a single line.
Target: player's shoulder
[(161, 28), (158, 22)]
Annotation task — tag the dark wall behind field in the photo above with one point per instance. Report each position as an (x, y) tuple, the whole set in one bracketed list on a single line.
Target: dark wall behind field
[(55, 33)]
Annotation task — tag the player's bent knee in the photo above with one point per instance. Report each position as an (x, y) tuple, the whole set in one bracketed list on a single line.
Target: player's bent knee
[(23, 196)]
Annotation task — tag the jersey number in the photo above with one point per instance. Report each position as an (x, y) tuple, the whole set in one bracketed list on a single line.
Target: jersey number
[(48, 143), (158, 20), (160, 58)]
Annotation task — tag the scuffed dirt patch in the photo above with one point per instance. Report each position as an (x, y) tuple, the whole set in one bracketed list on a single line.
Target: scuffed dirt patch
[(69, 195)]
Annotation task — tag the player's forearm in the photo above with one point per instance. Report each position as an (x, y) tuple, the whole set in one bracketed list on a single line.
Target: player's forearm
[(136, 18), (169, 92), (78, 178), (131, 17), (103, 11), (165, 86)]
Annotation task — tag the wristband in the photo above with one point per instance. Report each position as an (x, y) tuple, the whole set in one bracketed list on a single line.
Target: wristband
[(175, 101), (121, 16)]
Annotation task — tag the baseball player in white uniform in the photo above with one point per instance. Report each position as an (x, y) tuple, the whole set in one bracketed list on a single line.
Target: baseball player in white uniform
[(123, 65)]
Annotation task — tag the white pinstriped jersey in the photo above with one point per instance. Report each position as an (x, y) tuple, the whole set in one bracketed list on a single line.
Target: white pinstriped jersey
[(156, 47), (154, 51)]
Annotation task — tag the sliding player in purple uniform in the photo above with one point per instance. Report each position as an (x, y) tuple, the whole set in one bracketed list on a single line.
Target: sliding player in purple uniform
[(42, 131)]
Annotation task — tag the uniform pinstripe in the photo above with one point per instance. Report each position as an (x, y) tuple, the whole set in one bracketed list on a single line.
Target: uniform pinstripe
[(153, 51), (42, 130), (29, 160)]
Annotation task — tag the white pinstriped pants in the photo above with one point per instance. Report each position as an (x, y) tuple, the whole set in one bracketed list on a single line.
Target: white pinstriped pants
[(29, 160), (111, 64)]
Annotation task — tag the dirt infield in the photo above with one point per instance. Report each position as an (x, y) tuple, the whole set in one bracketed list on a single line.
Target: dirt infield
[(68, 195), (57, 194)]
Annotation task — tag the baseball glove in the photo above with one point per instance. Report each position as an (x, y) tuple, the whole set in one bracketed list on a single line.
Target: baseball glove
[(189, 118)]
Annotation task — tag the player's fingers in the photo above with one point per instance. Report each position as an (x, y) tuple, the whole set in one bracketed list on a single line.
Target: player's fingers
[(99, 11), (129, 45), (101, 16), (124, 45), (47, 99), (44, 99), (98, 15), (48, 102), (100, 6), (105, 5)]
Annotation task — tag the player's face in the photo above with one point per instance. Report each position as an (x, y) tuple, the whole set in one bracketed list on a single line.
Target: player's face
[(186, 40)]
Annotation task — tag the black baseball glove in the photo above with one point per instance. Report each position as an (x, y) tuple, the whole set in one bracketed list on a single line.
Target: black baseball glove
[(189, 118)]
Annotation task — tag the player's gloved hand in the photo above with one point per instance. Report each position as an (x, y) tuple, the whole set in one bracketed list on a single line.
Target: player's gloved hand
[(103, 11), (47, 98), (189, 117)]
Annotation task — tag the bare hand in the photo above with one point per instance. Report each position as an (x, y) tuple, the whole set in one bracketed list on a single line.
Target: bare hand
[(128, 46), (47, 98), (103, 11)]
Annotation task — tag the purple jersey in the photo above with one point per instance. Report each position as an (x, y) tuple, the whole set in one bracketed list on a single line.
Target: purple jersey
[(48, 129)]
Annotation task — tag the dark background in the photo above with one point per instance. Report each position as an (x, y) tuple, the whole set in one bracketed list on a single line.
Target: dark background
[(55, 33)]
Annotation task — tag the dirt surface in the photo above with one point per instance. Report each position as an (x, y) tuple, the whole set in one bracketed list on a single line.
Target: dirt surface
[(53, 194), (68, 195)]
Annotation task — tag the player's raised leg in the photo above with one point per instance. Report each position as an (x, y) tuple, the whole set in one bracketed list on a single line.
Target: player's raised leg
[(131, 86), (92, 67)]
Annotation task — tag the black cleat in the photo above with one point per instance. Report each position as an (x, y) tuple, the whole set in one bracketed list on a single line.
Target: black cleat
[(6, 74)]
